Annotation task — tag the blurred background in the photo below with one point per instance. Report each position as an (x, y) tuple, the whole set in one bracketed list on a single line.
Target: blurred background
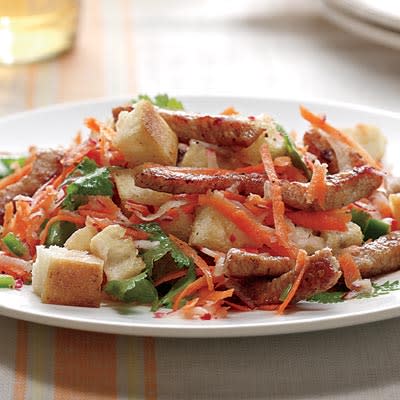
[(286, 48)]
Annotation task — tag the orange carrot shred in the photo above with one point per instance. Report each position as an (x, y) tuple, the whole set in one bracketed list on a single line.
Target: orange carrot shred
[(75, 219), (189, 289), (300, 269), (351, 273), (170, 277), (92, 124), (278, 206), (319, 122), (190, 252), (318, 188), (15, 176)]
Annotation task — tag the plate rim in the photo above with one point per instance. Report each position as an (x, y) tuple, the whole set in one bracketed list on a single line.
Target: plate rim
[(245, 329)]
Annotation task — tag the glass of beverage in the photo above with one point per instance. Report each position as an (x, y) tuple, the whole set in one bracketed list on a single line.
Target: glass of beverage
[(32, 30)]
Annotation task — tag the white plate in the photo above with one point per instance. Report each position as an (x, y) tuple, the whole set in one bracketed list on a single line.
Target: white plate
[(361, 27), (385, 13), (56, 125)]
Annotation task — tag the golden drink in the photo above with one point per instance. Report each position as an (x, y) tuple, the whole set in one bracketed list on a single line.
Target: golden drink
[(31, 30)]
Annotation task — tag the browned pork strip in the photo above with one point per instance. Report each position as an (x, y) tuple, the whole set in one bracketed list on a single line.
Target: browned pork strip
[(46, 165), (223, 130), (337, 155), (321, 274), (191, 180), (343, 188), (242, 264), (379, 256)]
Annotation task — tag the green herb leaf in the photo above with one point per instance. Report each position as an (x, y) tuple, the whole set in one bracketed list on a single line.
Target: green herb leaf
[(166, 246), (7, 165), (59, 232), (291, 149), (14, 244), (327, 297), (137, 289), (162, 101), (86, 180), (177, 287), (380, 289), (338, 297)]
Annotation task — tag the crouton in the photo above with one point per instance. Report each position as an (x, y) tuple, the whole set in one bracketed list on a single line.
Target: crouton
[(143, 136), (120, 255), (80, 239), (67, 277), (211, 229)]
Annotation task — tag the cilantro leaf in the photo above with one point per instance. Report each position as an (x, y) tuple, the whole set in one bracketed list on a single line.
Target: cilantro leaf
[(380, 289), (338, 297), (59, 232), (327, 297), (7, 165), (166, 246), (162, 101), (137, 289), (176, 288), (86, 180)]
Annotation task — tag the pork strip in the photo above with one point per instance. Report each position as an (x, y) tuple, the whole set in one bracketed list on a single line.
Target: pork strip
[(242, 264), (321, 274), (343, 188), (191, 180), (379, 256), (223, 130), (47, 164), (337, 155)]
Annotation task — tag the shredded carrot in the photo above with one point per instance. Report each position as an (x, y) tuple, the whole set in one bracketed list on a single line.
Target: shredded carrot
[(260, 234), (8, 217), (189, 289), (190, 252), (350, 270), (333, 220), (230, 111), (258, 168), (14, 267), (16, 176), (300, 269), (234, 196), (60, 178), (236, 307), (278, 206), (78, 138), (100, 205), (321, 123), (317, 188), (75, 219), (170, 277), (92, 124)]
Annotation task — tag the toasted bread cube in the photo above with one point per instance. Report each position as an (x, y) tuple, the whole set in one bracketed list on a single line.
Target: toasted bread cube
[(67, 277), (211, 229), (195, 156), (180, 226), (80, 239), (120, 255), (127, 190), (370, 137), (143, 136), (340, 240)]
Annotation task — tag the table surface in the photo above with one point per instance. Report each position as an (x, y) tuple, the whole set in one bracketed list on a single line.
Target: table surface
[(253, 48)]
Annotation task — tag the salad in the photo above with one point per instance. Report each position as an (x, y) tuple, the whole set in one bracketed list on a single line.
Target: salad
[(200, 215)]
